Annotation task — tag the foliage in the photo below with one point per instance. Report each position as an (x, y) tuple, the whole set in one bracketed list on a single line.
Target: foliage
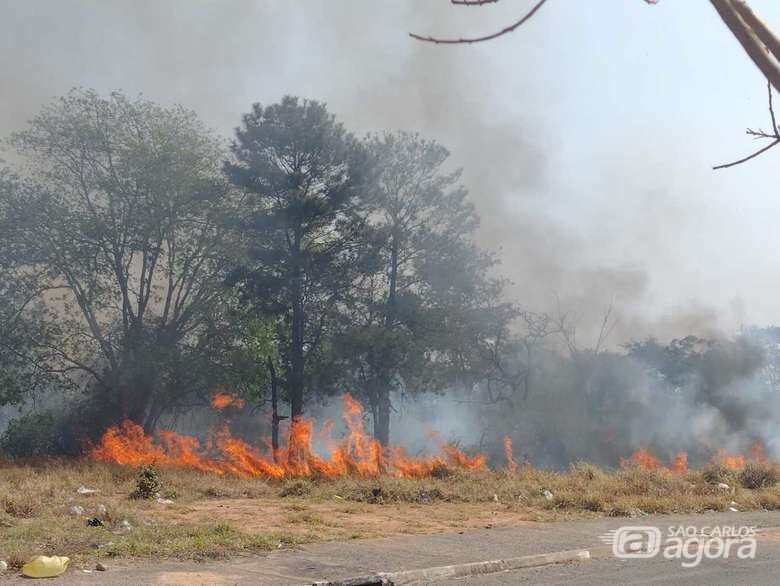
[(423, 285), (299, 171), (147, 483), (114, 226), (32, 435), (757, 474)]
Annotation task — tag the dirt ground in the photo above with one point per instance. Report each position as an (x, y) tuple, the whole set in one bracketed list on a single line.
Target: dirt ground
[(339, 519)]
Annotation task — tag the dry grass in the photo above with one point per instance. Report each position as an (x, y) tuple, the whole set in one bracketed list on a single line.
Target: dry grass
[(219, 516)]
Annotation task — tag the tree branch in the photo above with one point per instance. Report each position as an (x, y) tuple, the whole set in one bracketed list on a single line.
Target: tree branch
[(472, 2), (775, 136), (489, 37), (749, 38)]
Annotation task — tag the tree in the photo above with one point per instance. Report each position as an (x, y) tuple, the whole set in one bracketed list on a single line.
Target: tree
[(423, 279), (21, 367), (300, 172), (114, 225)]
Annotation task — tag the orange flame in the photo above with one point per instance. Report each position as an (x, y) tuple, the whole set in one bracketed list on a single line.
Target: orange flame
[(511, 465), (680, 463), (220, 400), (641, 458), (733, 461), (757, 452), (357, 453)]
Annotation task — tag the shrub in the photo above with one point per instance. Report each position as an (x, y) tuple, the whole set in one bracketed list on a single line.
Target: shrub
[(586, 471), (296, 487), (715, 473), (147, 483), (32, 435), (757, 474)]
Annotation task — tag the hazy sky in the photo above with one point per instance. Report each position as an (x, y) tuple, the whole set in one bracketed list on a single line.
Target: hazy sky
[(587, 136)]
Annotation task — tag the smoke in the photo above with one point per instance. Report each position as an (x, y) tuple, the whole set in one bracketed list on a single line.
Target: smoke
[(585, 217), (495, 106)]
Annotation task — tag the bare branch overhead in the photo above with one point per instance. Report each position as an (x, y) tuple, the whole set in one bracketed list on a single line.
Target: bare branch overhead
[(774, 135), (489, 37)]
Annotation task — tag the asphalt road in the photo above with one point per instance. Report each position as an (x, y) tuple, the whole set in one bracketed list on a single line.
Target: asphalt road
[(763, 570)]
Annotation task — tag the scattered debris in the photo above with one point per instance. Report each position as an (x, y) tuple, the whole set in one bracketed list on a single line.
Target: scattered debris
[(94, 522), (634, 513), (733, 510), (3, 565), (84, 490), (724, 486), (125, 525), (424, 497), (42, 566), (548, 495), (101, 509), (76, 510), (495, 498), (100, 567), (163, 501)]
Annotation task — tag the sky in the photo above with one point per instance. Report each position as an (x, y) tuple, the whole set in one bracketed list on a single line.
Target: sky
[(586, 137)]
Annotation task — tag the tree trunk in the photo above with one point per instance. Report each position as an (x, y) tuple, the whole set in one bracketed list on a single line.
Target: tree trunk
[(275, 417), (382, 417), (296, 377), (382, 411), (297, 360)]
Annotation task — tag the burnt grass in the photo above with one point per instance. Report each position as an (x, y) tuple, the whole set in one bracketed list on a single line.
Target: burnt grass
[(36, 500)]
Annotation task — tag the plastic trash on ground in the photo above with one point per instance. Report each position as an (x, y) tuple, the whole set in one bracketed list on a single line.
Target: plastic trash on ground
[(42, 566)]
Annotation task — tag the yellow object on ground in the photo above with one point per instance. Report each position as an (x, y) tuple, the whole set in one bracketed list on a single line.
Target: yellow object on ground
[(42, 566)]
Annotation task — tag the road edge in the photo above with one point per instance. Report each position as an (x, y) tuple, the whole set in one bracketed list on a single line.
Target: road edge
[(461, 570)]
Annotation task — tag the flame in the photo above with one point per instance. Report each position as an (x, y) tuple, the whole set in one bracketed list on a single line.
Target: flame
[(645, 459), (733, 461), (642, 458), (680, 463), (220, 400), (356, 454), (511, 465), (757, 452)]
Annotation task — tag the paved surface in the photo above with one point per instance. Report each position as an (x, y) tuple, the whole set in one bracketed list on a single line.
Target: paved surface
[(761, 571), (338, 560)]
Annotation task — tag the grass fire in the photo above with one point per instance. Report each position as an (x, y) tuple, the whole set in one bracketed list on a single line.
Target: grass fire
[(357, 454), (280, 273)]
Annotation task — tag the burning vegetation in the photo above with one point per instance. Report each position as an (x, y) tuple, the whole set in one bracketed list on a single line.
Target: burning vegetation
[(356, 454)]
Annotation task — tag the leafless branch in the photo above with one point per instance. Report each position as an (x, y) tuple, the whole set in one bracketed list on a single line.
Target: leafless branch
[(489, 37), (774, 135), (607, 325), (472, 2)]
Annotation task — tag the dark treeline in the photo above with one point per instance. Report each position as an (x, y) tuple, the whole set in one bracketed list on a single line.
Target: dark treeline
[(144, 264)]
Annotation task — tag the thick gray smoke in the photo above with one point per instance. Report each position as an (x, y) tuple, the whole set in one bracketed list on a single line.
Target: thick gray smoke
[(585, 217), (602, 407)]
